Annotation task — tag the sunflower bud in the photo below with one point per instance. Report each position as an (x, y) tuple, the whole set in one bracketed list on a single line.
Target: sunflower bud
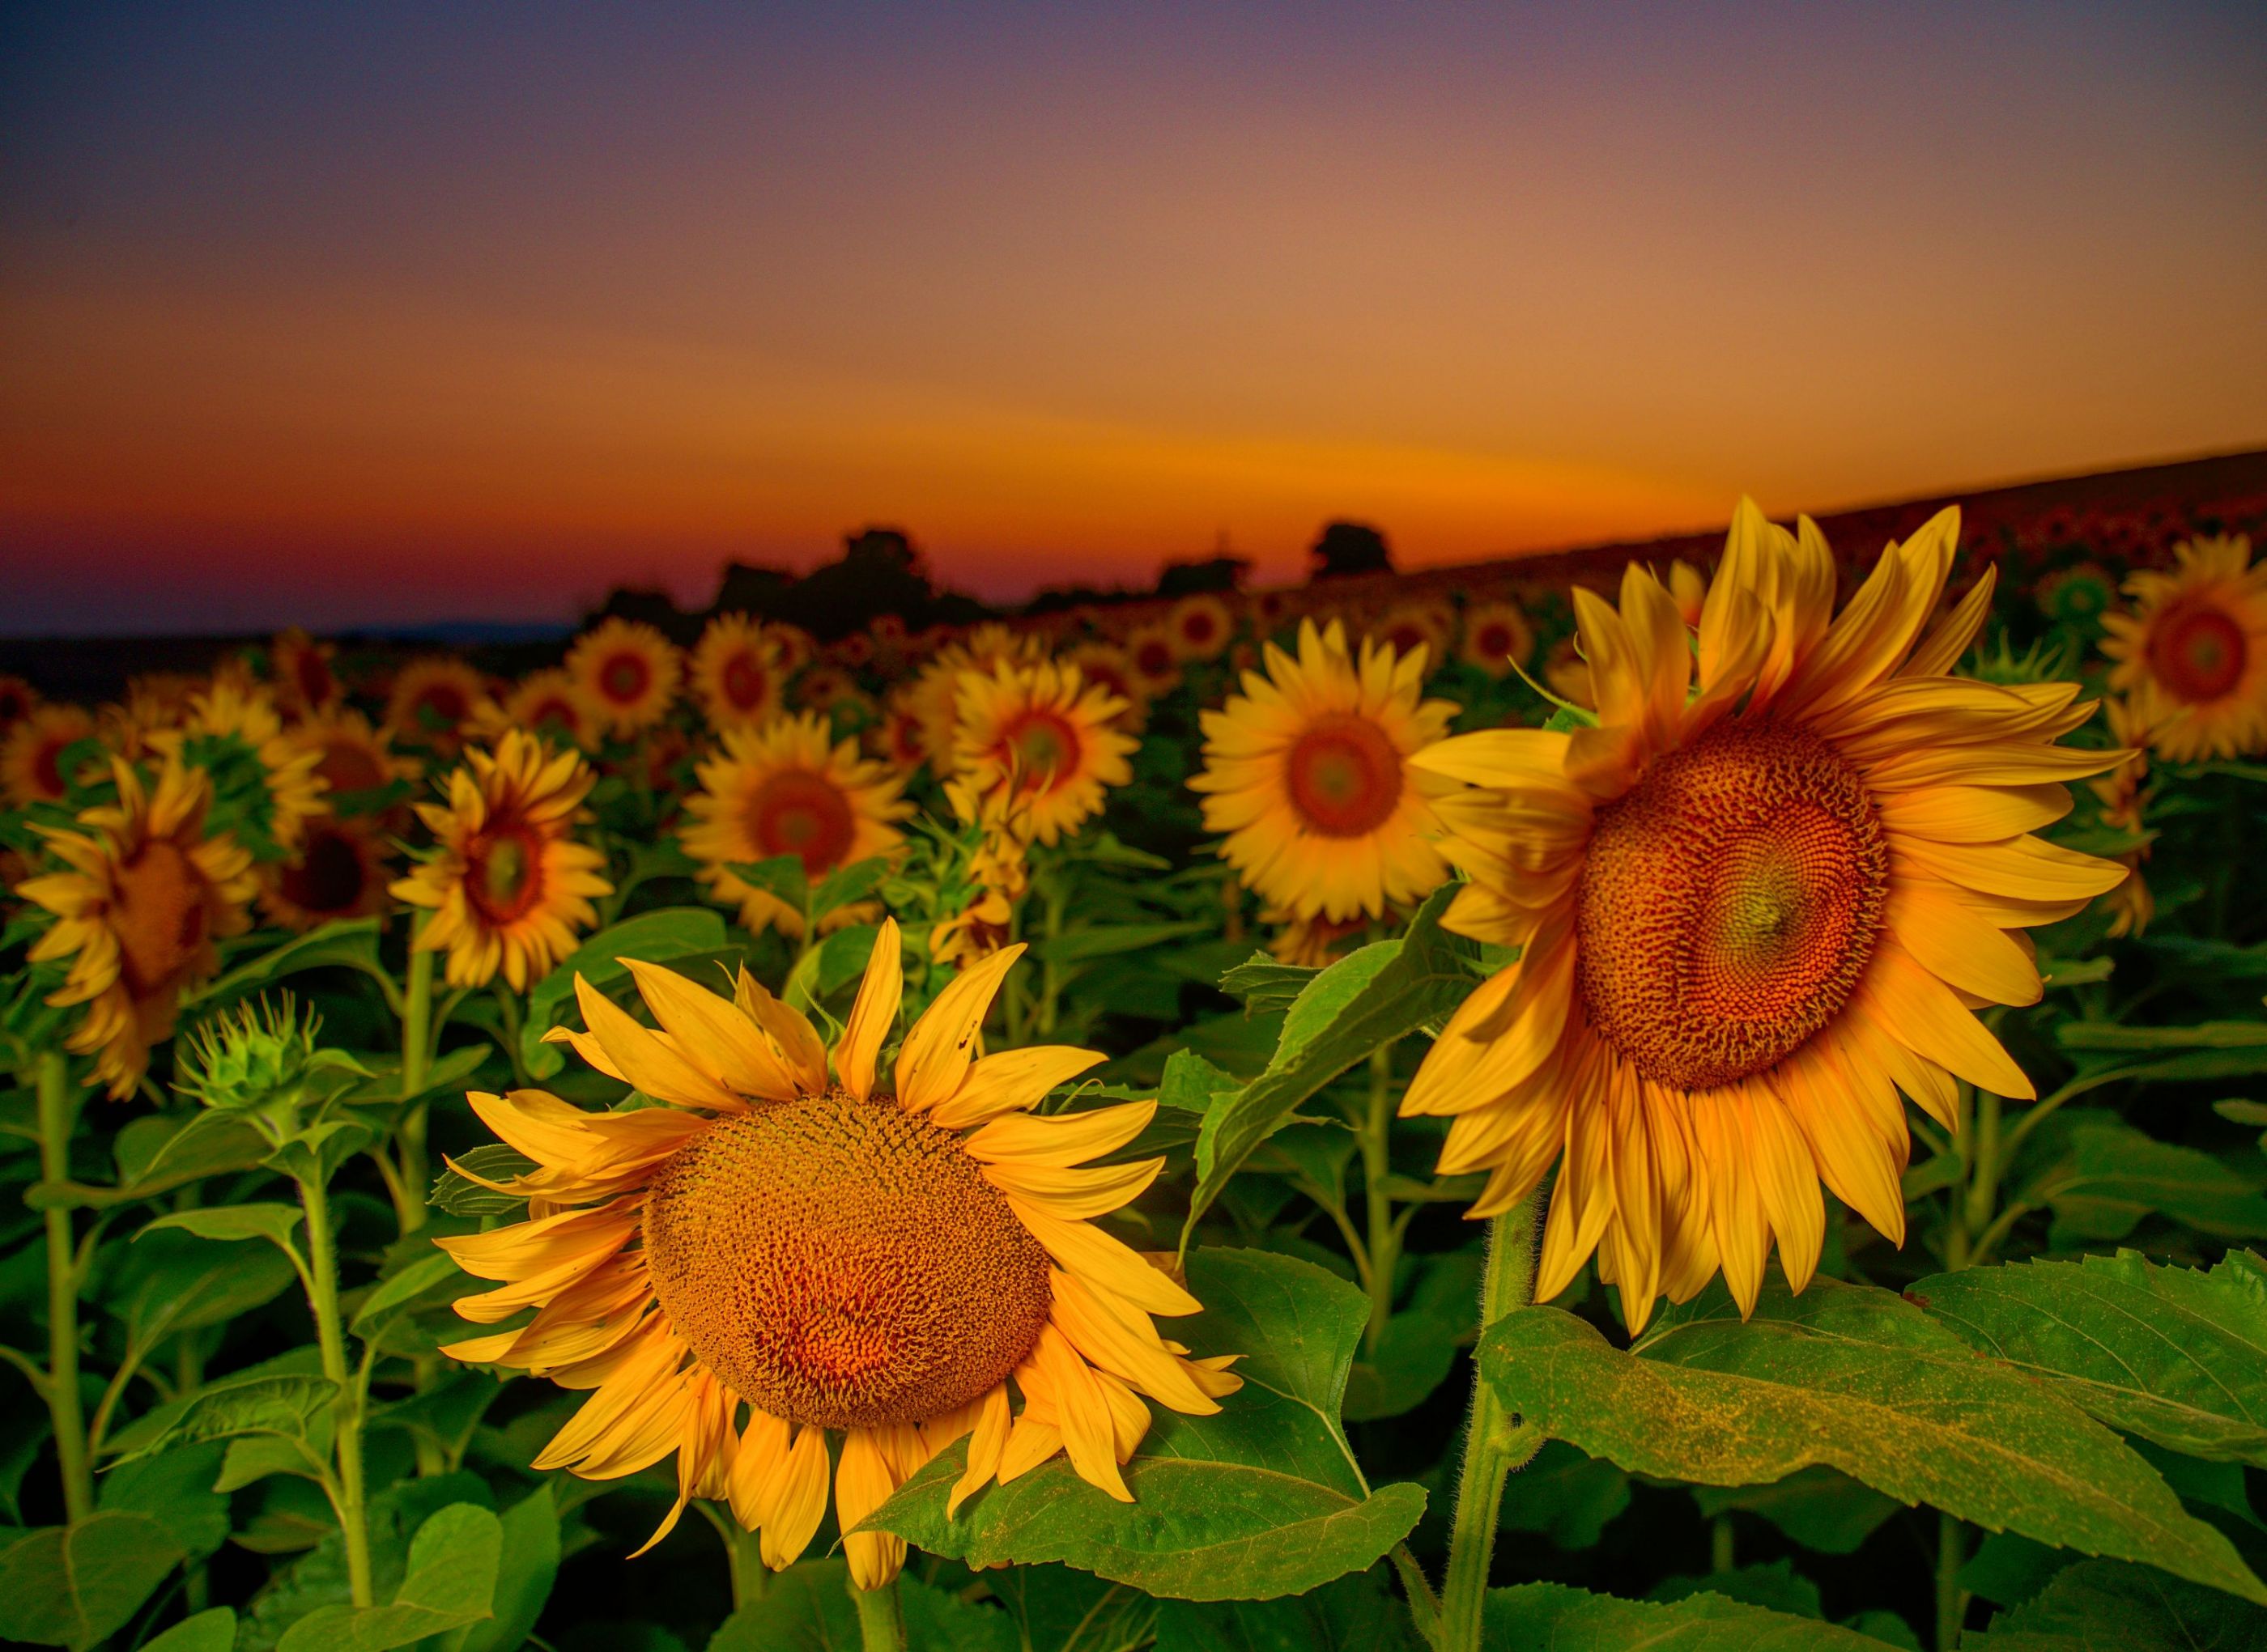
[(264, 1061)]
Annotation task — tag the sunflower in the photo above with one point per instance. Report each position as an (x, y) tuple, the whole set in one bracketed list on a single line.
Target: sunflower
[(629, 671), (436, 698), (2193, 654), (550, 703), (351, 758), (1497, 638), (32, 754), (738, 668), (507, 884), (19, 700), (1199, 626), (935, 697), (1156, 664), (1107, 666), (299, 669), (145, 892), (831, 690), (875, 1253), (338, 871), (1313, 942), (1040, 736), (787, 788), (896, 738), (1427, 624), (234, 720), (1307, 774), (1748, 916)]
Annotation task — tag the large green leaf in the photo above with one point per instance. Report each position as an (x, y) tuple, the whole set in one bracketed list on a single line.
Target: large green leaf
[(75, 1585), (675, 932), (451, 1582), (2105, 1606), (175, 1488), (1552, 1618), (2173, 1354), (806, 1608), (1860, 1380), (1565, 1496), (349, 942), (1354, 1614), (290, 1407), (1370, 998), (166, 1284), (233, 1223), (2101, 1176), (1263, 1499), (1060, 1610), (1815, 1507), (529, 1567), (212, 1631)]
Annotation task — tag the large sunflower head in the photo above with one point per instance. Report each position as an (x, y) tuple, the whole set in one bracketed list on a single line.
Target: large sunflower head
[(506, 883), (935, 697), (299, 669), (788, 788), (2193, 652), (338, 871), (144, 892), (267, 781), (1760, 897), (435, 701), (1307, 774), (739, 669), (801, 1243), (629, 671), (1497, 638), (1040, 736), (551, 703), (32, 753)]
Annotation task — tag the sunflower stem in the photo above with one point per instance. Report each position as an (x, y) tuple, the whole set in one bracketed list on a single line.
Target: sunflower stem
[(1376, 1165), (58, 1114), (416, 1055), (1951, 1599), (1495, 1442), (322, 1275), (880, 1627)]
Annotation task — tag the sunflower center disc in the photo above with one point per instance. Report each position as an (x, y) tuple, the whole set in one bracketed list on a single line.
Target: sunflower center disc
[(842, 1262), (797, 813), (2199, 655), (506, 875), (1344, 775), (743, 683), (159, 915), (329, 875), (624, 677), (1046, 751), (1729, 904)]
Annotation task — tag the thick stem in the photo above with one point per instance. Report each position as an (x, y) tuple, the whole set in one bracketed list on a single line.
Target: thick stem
[(1494, 1443), (1385, 1246), (330, 1338), (1984, 1163), (880, 1627), (58, 1113), (1951, 1599), (1723, 1545)]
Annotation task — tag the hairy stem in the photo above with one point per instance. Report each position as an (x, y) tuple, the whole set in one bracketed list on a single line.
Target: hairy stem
[(330, 1338), (1495, 1442), (58, 1113)]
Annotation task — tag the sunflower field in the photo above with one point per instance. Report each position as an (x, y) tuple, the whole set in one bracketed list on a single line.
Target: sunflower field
[(1721, 1110)]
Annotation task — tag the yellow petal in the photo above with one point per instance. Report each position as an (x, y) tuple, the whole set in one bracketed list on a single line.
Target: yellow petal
[(711, 1031), (798, 1500), (1064, 1139), (1085, 1249), (787, 1028), (1010, 1081), (938, 1050), (872, 1014), (644, 1061), (863, 1481), (1074, 1195), (985, 1443)]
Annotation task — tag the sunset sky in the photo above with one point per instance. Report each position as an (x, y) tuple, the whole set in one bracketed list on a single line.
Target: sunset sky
[(394, 313)]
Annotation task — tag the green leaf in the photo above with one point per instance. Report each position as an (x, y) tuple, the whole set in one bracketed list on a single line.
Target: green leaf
[(350, 941), (781, 877), (1110, 940), (235, 1223), (1862, 1381), (75, 1585), (846, 886), (2174, 1355), (2102, 1606), (1565, 1496), (1266, 984), (807, 1608), (674, 932), (166, 1284), (1353, 1614), (1263, 1499), (400, 1292), (1369, 999), (289, 1408), (1778, 1586), (1190, 1082), (451, 1582), (1418, 1344), (1060, 1610), (2108, 1175), (2119, 1035), (529, 1568), (1815, 1507), (175, 1489), (460, 1196), (1552, 1618), (940, 1622), (213, 1631)]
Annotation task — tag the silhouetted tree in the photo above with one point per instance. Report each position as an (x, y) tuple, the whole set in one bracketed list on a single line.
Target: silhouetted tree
[(653, 607), (1350, 547), (1214, 574)]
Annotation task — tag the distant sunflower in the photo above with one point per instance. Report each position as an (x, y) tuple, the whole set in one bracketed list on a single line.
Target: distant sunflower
[(339, 871), (1497, 638), (1040, 736), (831, 691), (935, 697), (1109, 666), (18, 700), (1157, 662), (897, 737), (32, 753), (550, 703), (1313, 942), (507, 884), (1199, 626), (2193, 654), (299, 668), (739, 669), (788, 788), (1307, 774), (875, 1254), (145, 892), (435, 701), (1749, 914), (352, 758), (1427, 624), (233, 721), (629, 671)]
